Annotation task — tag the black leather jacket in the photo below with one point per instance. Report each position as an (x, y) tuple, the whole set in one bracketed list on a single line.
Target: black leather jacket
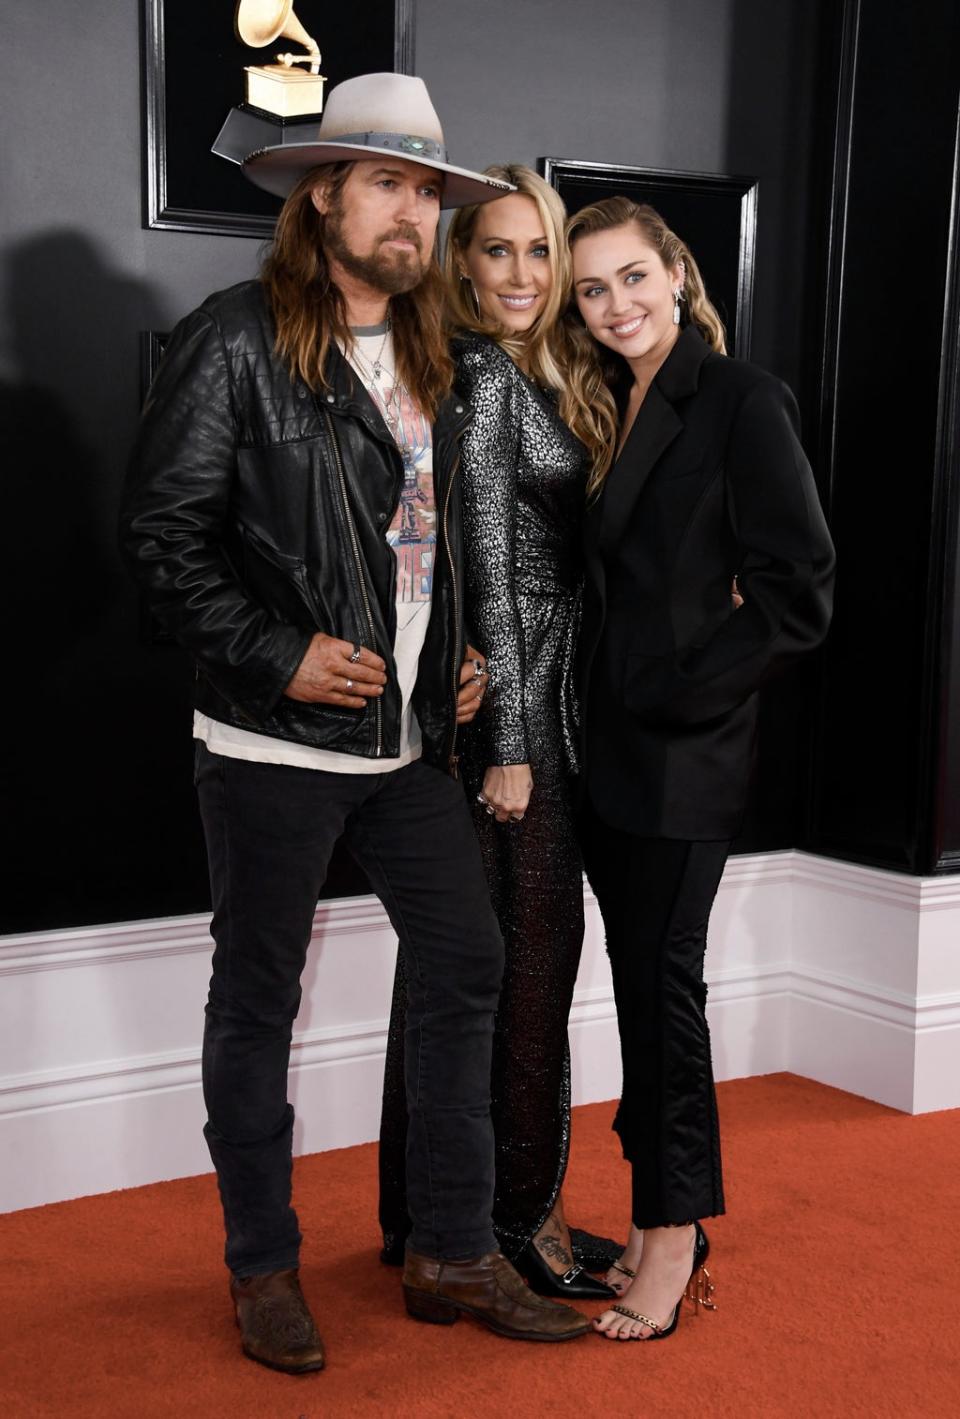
[(254, 515)]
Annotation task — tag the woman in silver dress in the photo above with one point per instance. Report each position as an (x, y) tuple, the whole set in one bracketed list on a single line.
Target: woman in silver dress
[(538, 403)]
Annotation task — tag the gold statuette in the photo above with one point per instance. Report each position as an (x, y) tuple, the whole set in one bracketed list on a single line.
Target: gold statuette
[(281, 88)]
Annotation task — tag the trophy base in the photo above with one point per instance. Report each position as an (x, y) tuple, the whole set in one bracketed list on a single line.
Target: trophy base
[(248, 129), (289, 93), (277, 118)]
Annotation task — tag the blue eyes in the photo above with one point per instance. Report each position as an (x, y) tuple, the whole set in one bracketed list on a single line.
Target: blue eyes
[(497, 251), (632, 279)]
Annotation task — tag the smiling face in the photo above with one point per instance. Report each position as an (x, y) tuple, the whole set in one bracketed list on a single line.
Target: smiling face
[(625, 293), (380, 227), (508, 261)]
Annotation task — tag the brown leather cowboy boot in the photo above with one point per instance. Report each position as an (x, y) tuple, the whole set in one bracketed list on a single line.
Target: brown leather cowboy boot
[(276, 1326), (489, 1290)]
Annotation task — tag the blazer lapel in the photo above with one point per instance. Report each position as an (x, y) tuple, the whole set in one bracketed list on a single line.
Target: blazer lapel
[(654, 429)]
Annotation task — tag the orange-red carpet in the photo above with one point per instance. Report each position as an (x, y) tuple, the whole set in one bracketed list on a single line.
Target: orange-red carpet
[(836, 1267)]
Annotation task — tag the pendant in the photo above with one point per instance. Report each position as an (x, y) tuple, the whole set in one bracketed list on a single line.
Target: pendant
[(377, 369)]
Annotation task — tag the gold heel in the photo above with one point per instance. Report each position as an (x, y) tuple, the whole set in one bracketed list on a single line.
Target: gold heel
[(700, 1291)]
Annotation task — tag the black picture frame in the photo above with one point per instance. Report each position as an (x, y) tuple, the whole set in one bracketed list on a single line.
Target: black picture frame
[(190, 51), (716, 214)]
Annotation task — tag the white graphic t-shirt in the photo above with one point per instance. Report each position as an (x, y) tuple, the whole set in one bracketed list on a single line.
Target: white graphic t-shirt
[(413, 536)]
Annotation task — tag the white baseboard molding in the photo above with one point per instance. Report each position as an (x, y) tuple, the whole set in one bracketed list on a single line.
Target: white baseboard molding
[(840, 973)]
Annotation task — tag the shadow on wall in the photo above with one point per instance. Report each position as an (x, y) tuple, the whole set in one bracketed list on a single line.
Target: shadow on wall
[(79, 724), (103, 823), (59, 561)]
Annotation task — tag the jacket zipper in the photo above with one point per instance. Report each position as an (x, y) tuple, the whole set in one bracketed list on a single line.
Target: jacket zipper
[(355, 545), (453, 759)]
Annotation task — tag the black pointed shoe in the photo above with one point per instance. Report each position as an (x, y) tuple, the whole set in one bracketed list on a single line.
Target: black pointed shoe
[(575, 1283)]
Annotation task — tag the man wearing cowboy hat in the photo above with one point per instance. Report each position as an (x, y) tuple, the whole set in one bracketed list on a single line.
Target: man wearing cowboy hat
[(291, 513)]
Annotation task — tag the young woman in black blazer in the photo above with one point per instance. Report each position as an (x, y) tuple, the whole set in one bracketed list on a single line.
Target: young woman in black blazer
[(709, 567)]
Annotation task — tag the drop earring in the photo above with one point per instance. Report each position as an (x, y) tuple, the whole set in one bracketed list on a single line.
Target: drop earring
[(475, 299), (676, 306)]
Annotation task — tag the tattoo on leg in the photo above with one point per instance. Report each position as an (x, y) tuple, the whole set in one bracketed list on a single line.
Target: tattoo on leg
[(553, 1247)]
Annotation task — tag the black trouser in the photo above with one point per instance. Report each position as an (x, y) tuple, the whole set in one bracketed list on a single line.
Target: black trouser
[(655, 896), (270, 831)]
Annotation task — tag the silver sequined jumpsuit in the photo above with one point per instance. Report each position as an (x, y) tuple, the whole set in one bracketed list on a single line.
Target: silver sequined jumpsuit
[(522, 479)]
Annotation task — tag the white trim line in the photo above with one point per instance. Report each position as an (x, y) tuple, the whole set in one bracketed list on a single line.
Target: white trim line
[(186, 935), (896, 889), (317, 1048), (162, 936)]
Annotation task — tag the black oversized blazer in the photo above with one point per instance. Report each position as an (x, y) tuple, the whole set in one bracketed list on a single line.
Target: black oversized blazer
[(712, 483)]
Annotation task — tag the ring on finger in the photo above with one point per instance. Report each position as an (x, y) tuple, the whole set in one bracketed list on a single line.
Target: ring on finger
[(482, 799), (516, 818), (349, 686), (356, 653), (489, 808)]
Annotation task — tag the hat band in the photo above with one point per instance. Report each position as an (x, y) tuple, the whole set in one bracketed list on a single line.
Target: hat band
[(411, 145)]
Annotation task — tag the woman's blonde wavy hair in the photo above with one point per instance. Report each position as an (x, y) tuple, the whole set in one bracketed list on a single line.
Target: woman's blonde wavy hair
[(555, 351), (309, 309), (696, 308)]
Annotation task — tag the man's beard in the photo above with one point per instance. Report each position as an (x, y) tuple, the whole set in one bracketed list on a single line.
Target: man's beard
[(391, 272)]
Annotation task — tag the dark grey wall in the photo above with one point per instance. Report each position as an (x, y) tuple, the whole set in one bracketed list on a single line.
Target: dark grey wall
[(103, 825), (699, 85)]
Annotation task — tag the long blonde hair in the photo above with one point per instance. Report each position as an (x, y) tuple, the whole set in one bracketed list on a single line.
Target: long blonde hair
[(309, 311), (555, 351), (696, 308)]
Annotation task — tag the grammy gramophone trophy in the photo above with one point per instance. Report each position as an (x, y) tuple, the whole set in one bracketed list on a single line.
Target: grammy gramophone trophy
[(282, 101)]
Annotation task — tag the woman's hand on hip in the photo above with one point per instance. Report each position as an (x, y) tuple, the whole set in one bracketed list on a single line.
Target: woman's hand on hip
[(506, 791)]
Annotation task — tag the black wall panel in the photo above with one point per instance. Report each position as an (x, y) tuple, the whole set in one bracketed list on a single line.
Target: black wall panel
[(889, 448)]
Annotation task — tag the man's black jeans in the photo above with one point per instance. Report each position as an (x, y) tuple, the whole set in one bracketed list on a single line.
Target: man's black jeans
[(270, 831)]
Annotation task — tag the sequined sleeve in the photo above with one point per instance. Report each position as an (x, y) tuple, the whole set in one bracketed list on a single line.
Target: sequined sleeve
[(490, 452)]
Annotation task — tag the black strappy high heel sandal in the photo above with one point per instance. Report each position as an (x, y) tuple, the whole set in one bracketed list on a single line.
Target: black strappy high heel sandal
[(699, 1291)]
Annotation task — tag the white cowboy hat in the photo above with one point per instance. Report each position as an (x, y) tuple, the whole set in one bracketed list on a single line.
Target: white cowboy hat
[(385, 115)]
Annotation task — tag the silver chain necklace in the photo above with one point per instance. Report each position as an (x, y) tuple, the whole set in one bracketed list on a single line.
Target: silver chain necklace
[(376, 367), (390, 408)]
